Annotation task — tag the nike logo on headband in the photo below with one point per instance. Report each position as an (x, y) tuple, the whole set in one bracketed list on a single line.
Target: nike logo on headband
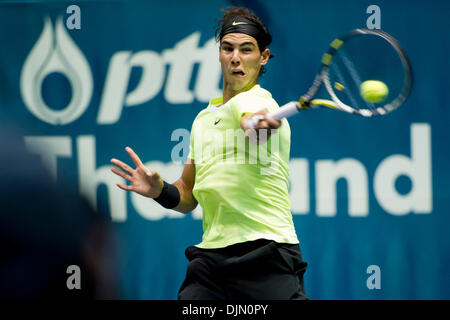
[(238, 23)]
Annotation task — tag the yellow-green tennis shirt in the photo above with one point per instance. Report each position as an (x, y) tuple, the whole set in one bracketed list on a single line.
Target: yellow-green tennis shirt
[(242, 187)]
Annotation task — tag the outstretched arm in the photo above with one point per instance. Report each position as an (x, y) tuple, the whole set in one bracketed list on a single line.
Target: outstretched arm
[(149, 183)]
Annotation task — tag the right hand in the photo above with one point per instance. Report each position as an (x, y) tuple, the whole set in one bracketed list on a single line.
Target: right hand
[(144, 181), (265, 123)]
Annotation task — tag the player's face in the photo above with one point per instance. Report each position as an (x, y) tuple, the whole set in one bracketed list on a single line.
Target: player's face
[(241, 61)]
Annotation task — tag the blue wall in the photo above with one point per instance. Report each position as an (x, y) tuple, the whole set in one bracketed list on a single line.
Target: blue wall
[(143, 70)]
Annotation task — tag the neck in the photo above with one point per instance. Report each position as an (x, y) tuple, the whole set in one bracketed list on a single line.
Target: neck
[(228, 92)]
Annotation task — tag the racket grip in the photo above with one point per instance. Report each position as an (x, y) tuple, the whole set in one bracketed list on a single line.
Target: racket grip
[(284, 111)]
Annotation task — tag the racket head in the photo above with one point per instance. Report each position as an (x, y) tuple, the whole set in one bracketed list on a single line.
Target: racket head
[(358, 56)]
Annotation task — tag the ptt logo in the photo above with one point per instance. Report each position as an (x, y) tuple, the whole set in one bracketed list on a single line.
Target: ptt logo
[(56, 52)]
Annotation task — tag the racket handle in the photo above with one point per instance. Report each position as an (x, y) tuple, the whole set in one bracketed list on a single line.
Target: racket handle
[(284, 111)]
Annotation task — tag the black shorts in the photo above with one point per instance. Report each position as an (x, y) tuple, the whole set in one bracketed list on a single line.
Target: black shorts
[(261, 270)]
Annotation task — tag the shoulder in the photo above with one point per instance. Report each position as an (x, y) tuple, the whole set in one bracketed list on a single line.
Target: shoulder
[(256, 96), (200, 117), (202, 112), (214, 103)]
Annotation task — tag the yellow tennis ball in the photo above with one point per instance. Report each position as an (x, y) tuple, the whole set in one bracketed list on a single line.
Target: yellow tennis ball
[(374, 91)]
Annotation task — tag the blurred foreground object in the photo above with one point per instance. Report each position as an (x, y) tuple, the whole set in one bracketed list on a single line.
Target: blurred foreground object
[(44, 229)]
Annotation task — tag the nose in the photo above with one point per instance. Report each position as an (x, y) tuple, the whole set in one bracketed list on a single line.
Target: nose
[(235, 59)]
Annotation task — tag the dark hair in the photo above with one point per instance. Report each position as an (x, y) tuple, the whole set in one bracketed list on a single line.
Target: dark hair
[(264, 39)]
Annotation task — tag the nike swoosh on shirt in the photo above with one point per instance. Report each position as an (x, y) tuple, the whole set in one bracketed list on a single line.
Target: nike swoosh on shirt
[(217, 121)]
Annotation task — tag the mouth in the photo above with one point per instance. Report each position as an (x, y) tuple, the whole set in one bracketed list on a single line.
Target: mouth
[(238, 73)]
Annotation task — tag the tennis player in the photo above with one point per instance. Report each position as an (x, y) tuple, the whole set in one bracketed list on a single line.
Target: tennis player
[(249, 248)]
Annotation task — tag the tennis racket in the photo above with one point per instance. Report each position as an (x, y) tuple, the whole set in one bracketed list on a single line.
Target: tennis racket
[(360, 55)]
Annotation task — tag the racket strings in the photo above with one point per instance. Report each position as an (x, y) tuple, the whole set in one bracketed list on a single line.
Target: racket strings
[(343, 82), (345, 73), (368, 56), (356, 78)]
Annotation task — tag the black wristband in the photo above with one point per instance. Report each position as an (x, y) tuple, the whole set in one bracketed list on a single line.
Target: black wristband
[(169, 197)]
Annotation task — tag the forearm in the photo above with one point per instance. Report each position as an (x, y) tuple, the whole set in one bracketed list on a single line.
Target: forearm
[(178, 196), (187, 201)]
